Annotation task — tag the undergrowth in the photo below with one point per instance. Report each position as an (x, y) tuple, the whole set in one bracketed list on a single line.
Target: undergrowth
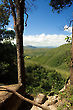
[(66, 99)]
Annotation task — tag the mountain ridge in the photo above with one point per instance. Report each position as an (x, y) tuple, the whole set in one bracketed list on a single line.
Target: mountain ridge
[(30, 46)]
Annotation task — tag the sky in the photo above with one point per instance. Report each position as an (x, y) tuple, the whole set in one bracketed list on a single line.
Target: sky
[(45, 28)]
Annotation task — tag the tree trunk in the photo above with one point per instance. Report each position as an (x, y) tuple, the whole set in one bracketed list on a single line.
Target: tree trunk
[(20, 58), (19, 28), (18, 17), (71, 69)]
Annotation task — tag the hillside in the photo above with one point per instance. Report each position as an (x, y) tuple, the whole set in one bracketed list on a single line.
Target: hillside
[(54, 58)]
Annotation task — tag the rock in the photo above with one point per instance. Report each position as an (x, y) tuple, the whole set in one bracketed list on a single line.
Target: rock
[(49, 104), (40, 99), (35, 108), (51, 100), (52, 107)]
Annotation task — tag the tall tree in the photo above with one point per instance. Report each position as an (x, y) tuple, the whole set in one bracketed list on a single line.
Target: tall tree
[(18, 8), (59, 5)]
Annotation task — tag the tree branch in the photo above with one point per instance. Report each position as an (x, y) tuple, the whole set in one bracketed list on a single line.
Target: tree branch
[(69, 24), (23, 98), (26, 19), (13, 11)]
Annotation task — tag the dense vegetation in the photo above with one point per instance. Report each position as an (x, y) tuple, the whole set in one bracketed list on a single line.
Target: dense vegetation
[(46, 69), (8, 68), (40, 79)]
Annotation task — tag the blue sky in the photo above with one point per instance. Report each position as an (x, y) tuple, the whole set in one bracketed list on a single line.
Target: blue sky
[(46, 28), (43, 20)]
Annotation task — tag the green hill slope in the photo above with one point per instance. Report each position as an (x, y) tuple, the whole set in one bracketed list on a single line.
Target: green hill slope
[(55, 58)]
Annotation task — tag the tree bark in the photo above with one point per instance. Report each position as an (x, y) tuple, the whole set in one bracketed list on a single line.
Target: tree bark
[(19, 28), (71, 68), (20, 58)]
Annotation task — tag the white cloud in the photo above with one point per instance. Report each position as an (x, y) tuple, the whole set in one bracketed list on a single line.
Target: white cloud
[(9, 28), (14, 41), (44, 40), (68, 30)]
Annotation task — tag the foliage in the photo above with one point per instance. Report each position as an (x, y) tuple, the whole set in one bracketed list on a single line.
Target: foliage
[(68, 39), (4, 14), (67, 98), (8, 66), (7, 34), (60, 4), (39, 79)]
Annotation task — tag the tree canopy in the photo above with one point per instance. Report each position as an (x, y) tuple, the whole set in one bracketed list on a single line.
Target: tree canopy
[(60, 4), (9, 7), (4, 15)]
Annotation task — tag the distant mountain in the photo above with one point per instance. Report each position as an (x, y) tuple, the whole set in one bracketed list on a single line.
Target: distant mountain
[(30, 46), (51, 47), (46, 47)]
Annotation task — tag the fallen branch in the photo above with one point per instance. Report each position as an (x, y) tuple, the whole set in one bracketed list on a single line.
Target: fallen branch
[(23, 98)]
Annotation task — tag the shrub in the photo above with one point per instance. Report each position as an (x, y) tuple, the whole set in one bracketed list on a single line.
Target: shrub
[(39, 79)]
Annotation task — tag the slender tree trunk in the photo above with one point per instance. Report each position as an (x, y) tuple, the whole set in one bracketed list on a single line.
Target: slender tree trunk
[(19, 28), (71, 75), (18, 17), (20, 58)]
